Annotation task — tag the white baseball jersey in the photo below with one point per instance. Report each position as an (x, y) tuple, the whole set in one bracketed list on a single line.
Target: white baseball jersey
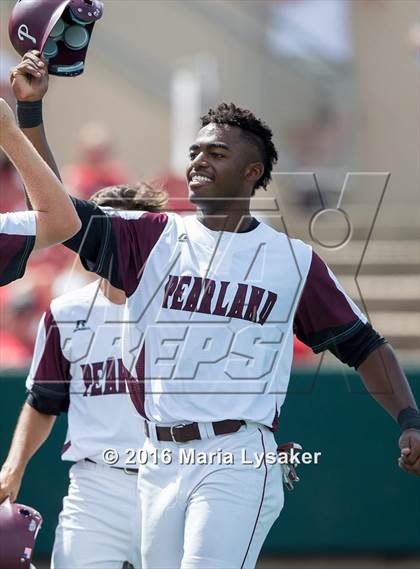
[(17, 239), (208, 332), (77, 360)]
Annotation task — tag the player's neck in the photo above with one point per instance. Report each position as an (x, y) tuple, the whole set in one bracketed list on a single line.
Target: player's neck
[(114, 295), (236, 217)]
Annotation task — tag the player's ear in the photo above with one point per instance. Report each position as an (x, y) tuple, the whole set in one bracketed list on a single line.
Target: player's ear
[(253, 172)]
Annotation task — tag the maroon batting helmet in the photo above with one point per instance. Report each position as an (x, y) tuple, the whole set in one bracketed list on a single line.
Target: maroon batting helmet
[(61, 29), (19, 526)]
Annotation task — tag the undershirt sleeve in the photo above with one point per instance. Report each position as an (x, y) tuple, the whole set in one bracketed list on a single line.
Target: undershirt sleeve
[(49, 376)]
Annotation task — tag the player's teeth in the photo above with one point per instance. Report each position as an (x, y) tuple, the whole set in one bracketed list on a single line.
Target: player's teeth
[(201, 179)]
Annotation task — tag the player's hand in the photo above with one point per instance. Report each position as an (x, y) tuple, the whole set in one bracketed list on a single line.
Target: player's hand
[(10, 482), (288, 467), (410, 451), (7, 121), (29, 79)]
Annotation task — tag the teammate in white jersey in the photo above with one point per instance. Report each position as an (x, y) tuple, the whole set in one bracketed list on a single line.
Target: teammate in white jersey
[(77, 369), (54, 218), (212, 302)]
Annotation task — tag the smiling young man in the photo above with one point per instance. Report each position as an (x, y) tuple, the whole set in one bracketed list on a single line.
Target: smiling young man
[(212, 303), (227, 149)]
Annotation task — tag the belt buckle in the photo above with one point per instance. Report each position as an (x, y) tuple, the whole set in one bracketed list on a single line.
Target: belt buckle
[(171, 431)]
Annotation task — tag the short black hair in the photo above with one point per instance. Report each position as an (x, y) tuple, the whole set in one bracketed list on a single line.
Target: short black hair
[(253, 128)]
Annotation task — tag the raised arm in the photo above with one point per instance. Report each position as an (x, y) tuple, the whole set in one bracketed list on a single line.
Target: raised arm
[(29, 82), (56, 218), (112, 246)]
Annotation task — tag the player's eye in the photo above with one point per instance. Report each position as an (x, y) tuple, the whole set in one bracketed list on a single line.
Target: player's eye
[(192, 155), (217, 155)]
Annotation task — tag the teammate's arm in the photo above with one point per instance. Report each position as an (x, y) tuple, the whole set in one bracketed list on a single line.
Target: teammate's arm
[(30, 81), (111, 246), (32, 430), (48, 387), (56, 218)]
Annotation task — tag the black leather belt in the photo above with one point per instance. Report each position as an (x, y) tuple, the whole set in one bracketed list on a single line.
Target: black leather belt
[(126, 470), (191, 432)]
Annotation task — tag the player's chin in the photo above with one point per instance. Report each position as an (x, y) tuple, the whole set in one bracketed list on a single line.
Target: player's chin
[(199, 194)]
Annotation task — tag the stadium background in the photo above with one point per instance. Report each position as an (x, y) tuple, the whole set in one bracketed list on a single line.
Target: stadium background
[(338, 82)]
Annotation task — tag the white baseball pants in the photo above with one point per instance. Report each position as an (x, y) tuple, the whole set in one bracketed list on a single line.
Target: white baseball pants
[(211, 516), (99, 525)]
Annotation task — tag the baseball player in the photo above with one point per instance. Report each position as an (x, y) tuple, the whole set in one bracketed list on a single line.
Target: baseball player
[(54, 218), (77, 369), (212, 303)]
